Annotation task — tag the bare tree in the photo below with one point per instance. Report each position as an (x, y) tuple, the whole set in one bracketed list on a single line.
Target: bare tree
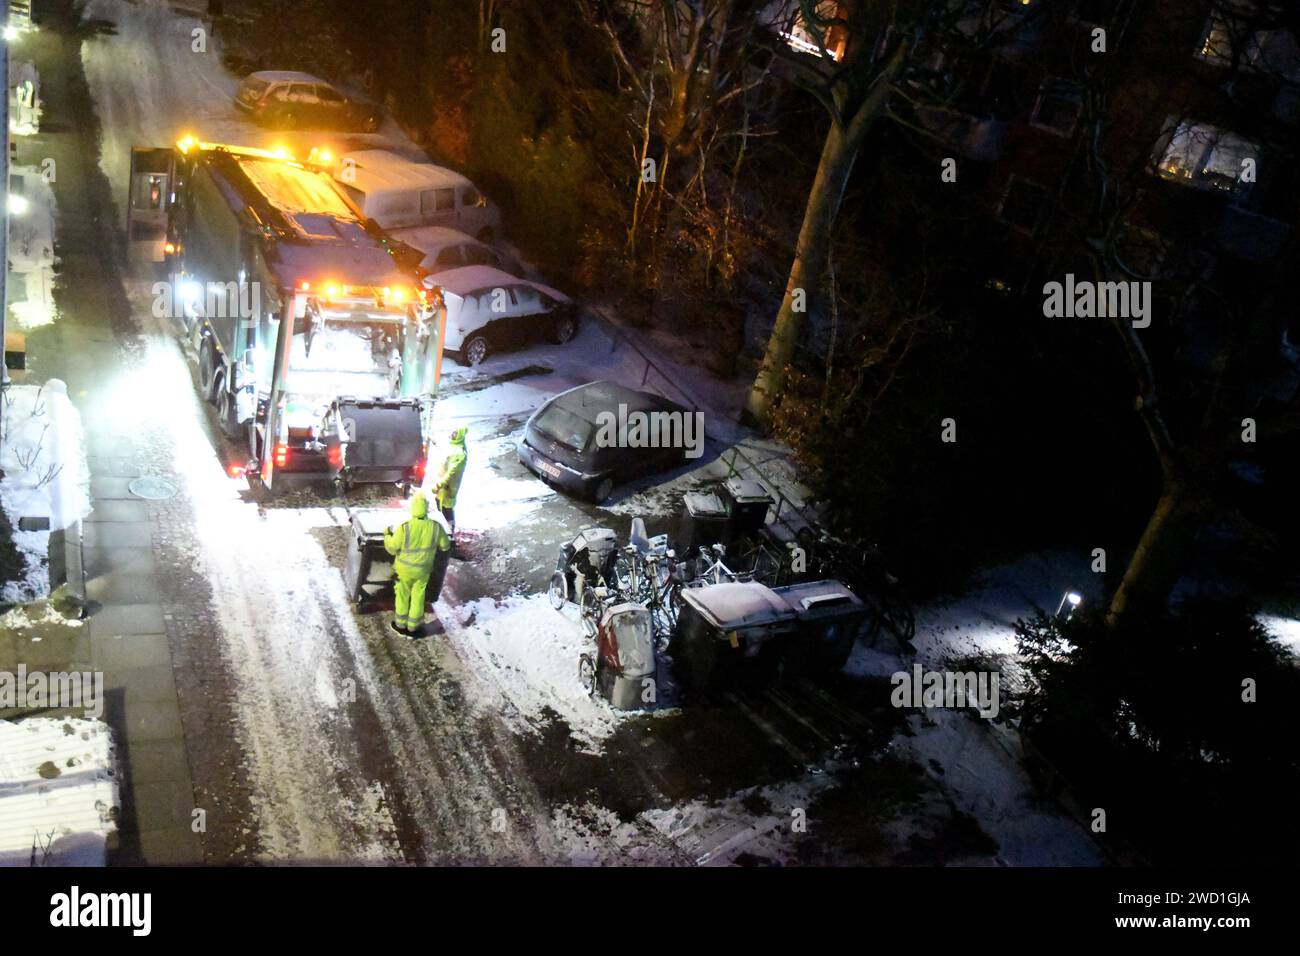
[(877, 49)]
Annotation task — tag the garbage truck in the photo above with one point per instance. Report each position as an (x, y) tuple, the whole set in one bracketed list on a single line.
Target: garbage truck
[(315, 339)]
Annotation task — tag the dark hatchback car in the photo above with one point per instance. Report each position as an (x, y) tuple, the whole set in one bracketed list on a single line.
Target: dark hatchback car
[(285, 99), (564, 444)]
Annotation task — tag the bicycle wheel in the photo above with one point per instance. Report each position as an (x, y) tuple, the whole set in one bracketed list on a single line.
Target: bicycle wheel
[(558, 591), (587, 674), (626, 576), (592, 608), (899, 618)]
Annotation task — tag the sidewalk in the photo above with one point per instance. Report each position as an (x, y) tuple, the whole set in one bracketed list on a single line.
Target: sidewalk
[(89, 346)]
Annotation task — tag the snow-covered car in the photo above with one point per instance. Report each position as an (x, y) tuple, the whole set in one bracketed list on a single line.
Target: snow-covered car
[(489, 310), (399, 193), (287, 99), (560, 442), (445, 248)]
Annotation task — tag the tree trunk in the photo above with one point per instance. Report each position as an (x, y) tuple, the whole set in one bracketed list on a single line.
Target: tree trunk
[(1154, 568), (838, 155), (845, 137)]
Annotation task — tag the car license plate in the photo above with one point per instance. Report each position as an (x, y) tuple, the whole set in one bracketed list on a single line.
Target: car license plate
[(548, 468)]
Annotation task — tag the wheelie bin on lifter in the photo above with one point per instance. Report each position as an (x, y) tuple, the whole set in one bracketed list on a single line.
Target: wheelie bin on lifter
[(368, 572)]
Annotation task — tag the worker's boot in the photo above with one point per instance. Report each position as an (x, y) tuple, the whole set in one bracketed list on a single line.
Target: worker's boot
[(392, 626)]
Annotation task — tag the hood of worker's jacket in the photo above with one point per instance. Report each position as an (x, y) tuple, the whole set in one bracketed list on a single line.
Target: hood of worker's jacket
[(458, 436), (419, 506)]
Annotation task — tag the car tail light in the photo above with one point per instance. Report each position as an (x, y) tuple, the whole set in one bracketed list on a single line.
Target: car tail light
[(235, 471), (281, 454), (334, 453)]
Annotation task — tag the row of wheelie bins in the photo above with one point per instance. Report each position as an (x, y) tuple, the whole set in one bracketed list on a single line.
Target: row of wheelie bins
[(745, 632), (735, 512)]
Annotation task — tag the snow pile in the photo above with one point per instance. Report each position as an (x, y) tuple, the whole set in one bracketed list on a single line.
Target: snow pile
[(31, 248), (525, 654), (58, 792), (45, 476), (759, 823), (23, 618)]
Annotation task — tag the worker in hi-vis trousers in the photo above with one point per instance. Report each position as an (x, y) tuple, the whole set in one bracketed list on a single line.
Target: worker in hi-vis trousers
[(416, 545), (447, 484)]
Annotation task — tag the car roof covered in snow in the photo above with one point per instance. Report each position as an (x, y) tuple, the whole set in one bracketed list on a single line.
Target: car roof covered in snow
[(735, 604), (380, 169), (431, 239), (285, 76), (588, 401), (474, 280)]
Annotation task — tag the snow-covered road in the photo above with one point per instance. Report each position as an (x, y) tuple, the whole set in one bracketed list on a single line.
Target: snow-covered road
[(345, 754)]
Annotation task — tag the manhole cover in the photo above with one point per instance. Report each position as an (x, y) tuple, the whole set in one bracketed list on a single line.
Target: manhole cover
[(154, 489)]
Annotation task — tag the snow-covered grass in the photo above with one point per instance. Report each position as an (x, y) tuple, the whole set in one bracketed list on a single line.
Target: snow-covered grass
[(58, 791), (982, 764), (31, 248), (45, 475), (25, 618), (1286, 630), (24, 99)]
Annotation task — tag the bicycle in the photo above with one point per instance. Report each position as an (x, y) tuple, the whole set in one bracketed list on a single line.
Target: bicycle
[(861, 567), (715, 569), (651, 578), (768, 564)]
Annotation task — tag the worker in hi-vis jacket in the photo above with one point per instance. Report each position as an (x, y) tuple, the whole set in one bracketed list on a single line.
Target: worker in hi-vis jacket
[(447, 484), (416, 546)]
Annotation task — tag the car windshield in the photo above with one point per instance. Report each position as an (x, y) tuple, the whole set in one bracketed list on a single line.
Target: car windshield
[(564, 427), (253, 89)]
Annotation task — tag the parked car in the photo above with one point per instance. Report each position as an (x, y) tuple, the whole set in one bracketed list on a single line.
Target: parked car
[(445, 249), (559, 442), (398, 193), (285, 99), (489, 310)]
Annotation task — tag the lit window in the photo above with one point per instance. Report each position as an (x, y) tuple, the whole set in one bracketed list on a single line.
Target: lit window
[(800, 38), (1204, 156), (1227, 36)]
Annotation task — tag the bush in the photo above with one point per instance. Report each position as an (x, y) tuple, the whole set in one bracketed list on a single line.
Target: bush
[(1148, 722)]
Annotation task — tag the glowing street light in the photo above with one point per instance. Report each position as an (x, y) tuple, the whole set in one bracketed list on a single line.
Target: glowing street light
[(1069, 601)]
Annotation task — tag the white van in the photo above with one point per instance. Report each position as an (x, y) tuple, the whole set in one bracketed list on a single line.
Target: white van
[(489, 310), (400, 194)]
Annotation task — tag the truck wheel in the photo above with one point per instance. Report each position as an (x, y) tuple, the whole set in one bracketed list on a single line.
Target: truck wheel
[(603, 490), (226, 411), (208, 372), (564, 329), (476, 350)]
